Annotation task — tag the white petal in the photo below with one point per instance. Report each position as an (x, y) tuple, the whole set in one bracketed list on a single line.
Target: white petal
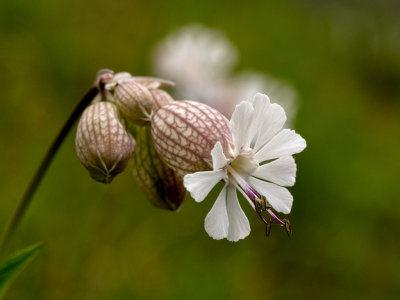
[(199, 184), (239, 226), (286, 142), (279, 197), (261, 99), (239, 125), (261, 105), (216, 222), (274, 119), (281, 171), (218, 157)]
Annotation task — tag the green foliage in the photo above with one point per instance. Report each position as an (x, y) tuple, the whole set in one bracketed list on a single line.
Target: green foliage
[(10, 268)]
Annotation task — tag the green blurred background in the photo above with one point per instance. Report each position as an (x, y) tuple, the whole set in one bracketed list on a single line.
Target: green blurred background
[(108, 242)]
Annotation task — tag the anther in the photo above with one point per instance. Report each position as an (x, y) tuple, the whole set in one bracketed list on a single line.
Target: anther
[(258, 205), (288, 227), (268, 205), (268, 227), (261, 204)]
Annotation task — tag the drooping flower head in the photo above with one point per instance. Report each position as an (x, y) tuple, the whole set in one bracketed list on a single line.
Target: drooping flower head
[(259, 165), (115, 128), (251, 153)]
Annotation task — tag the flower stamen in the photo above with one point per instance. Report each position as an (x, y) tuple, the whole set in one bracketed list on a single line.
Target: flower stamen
[(288, 227), (268, 227), (259, 203), (275, 217)]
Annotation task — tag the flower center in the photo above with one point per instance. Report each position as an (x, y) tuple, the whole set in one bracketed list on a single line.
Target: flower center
[(245, 163)]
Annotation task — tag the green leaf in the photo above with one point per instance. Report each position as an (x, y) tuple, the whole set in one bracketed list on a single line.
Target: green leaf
[(13, 265)]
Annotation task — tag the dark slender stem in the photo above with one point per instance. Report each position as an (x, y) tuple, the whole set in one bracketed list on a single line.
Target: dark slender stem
[(44, 165)]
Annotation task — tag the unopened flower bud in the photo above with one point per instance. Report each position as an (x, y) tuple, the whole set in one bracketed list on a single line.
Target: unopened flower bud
[(153, 82), (104, 76), (102, 143), (185, 132), (160, 98), (122, 76), (163, 186), (148, 82), (134, 101), (117, 78)]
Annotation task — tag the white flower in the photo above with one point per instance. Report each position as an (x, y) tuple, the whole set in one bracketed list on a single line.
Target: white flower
[(201, 61), (194, 57), (246, 83), (259, 165)]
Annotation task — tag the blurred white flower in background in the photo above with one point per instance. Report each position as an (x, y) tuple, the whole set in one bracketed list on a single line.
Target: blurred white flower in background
[(196, 58), (201, 60)]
